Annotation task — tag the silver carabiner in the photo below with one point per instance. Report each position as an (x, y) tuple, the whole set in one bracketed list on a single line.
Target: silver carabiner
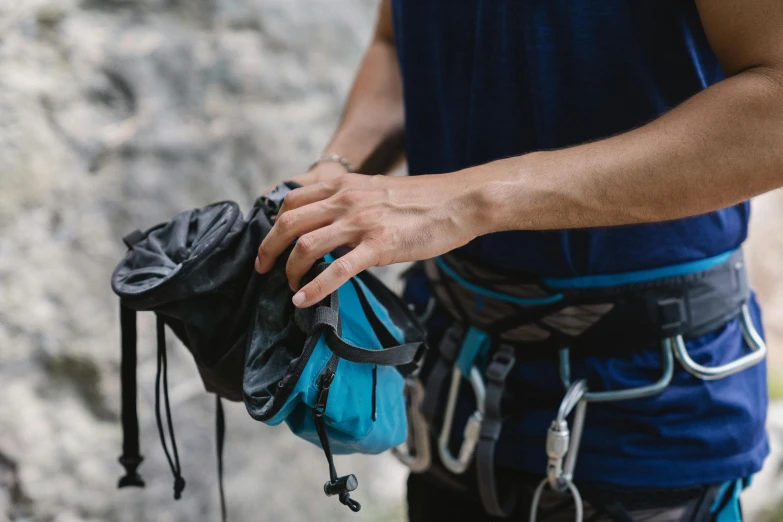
[(459, 464), (648, 390), (578, 504), (757, 346), (560, 443), (562, 449), (415, 452)]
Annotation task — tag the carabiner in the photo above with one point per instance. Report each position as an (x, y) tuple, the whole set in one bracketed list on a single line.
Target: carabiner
[(459, 464), (647, 390), (562, 444), (415, 452), (757, 346)]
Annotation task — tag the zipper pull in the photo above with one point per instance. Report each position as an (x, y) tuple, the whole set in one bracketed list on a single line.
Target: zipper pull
[(323, 394)]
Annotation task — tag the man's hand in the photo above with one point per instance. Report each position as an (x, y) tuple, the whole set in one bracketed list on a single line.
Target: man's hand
[(384, 220), (320, 173)]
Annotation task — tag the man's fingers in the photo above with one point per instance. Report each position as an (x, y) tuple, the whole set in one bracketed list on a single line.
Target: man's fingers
[(306, 195), (288, 227), (315, 245), (341, 270)]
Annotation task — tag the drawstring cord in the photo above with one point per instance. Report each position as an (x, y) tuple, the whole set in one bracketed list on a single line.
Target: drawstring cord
[(342, 486), (176, 469)]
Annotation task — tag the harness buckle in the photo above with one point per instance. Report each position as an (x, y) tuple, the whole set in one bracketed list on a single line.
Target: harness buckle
[(502, 363)]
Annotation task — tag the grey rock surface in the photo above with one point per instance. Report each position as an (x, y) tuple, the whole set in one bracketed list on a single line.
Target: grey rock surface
[(115, 115)]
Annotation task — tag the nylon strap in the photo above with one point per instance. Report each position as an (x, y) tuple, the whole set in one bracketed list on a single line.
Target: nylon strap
[(404, 356), (495, 378), (220, 436), (130, 458)]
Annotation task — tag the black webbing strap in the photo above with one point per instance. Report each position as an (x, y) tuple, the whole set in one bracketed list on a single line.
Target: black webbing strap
[(130, 458), (173, 457), (491, 426), (399, 355), (448, 349), (220, 436)]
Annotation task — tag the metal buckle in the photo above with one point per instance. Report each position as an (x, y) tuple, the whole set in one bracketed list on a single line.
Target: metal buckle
[(752, 338), (502, 363)]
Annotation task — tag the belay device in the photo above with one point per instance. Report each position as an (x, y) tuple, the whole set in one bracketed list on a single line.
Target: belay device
[(333, 372)]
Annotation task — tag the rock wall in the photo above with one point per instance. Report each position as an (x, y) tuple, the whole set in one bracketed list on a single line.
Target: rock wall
[(114, 115)]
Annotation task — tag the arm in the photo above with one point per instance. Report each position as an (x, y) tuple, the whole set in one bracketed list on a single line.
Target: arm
[(370, 132), (721, 147)]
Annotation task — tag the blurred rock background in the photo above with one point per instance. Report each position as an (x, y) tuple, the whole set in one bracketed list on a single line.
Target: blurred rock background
[(117, 114)]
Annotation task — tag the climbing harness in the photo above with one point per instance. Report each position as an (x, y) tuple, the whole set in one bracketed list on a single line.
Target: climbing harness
[(496, 313)]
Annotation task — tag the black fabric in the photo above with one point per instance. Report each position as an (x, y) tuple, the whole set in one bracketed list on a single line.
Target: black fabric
[(429, 499), (196, 272)]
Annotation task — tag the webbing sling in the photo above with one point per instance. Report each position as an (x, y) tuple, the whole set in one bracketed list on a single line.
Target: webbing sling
[(220, 437), (497, 372), (130, 458)]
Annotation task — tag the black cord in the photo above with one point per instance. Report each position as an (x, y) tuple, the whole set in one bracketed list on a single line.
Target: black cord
[(335, 481), (176, 469)]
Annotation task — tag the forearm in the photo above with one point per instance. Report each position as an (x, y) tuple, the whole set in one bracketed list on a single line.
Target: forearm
[(719, 148), (370, 133)]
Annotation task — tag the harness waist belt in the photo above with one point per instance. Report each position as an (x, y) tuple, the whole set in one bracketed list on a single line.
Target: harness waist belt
[(634, 309)]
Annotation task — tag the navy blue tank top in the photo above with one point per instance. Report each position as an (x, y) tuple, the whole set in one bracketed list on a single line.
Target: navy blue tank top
[(488, 79)]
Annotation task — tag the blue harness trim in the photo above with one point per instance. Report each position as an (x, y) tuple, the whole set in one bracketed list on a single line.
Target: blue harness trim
[(727, 505), (475, 343), (609, 280)]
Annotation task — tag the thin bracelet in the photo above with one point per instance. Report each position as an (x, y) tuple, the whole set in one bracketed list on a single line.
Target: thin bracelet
[(333, 158)]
